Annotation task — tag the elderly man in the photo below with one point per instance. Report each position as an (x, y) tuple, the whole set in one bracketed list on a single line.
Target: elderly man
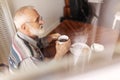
[(25, 50)]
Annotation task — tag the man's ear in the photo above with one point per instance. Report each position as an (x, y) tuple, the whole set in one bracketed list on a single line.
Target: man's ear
[(23, 27)]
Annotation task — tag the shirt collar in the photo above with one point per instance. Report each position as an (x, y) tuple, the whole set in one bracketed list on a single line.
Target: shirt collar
[(27, 38)]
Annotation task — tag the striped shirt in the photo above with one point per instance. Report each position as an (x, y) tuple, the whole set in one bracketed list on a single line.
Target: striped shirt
[(24, 47)]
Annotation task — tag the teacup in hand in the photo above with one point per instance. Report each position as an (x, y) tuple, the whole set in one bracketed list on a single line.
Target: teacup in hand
[(63, 38)]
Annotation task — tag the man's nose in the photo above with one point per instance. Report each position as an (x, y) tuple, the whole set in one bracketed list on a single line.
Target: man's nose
[(41, 22)]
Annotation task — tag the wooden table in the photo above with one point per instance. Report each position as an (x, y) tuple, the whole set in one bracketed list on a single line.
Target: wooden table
[(96, 34)]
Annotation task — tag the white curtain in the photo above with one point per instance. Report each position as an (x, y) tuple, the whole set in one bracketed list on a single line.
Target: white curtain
[(7, 31)]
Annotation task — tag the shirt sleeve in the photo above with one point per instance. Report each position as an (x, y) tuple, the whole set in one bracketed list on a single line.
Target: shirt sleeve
[(29, 63)]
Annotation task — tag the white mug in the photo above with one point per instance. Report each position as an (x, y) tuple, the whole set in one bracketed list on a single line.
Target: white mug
[(63, 38)]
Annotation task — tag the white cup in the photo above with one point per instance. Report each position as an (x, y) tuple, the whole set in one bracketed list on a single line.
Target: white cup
[(98, 51), (62, 39), (81, 54), (97, 47)]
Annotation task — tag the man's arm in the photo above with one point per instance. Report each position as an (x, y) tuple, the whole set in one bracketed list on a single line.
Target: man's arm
[(62, 49), (44, 42)]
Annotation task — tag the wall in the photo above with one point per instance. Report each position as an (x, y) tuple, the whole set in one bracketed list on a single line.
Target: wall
[(108, 10), (51, 10)]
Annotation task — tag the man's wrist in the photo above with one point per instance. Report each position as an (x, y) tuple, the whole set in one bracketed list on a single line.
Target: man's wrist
[(59, 54), (49, 39), (57, 57)]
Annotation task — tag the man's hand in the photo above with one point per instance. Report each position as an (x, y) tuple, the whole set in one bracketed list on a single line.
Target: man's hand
[(62, 49), (53, 37)]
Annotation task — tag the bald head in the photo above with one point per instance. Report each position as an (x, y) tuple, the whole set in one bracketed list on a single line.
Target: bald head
[(28, 21), (23, 15)]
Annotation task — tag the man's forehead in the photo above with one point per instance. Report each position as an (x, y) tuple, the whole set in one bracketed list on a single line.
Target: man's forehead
[(32, 13)]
